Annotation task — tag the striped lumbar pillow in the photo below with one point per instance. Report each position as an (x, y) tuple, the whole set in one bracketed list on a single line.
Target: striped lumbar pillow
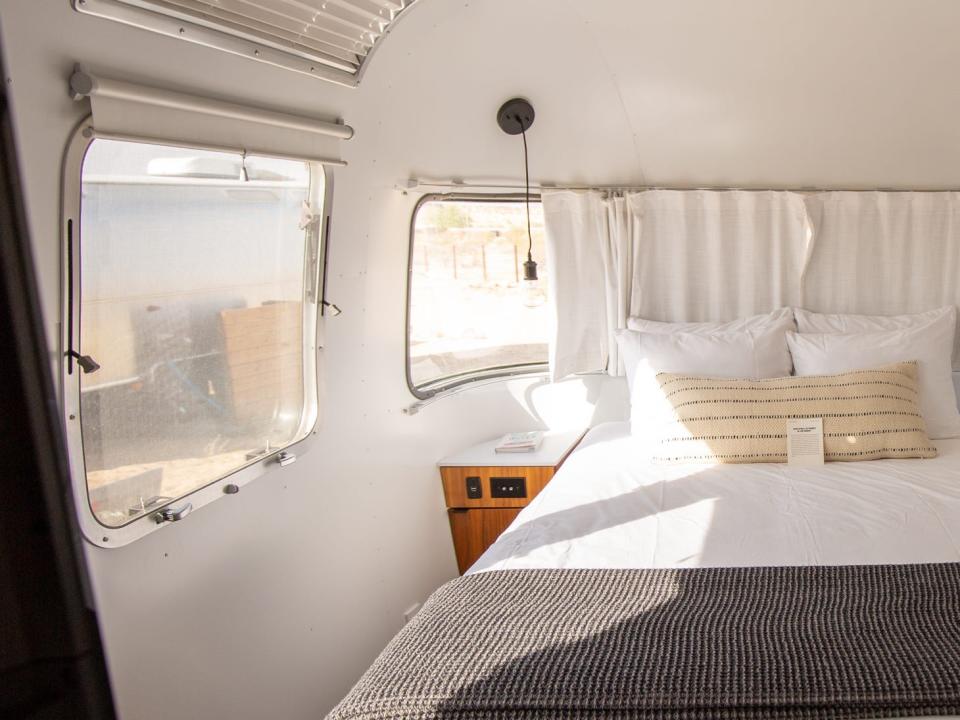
[(867, 415)]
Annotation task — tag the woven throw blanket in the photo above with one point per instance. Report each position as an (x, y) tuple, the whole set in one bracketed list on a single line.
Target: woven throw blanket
[(800, 642)]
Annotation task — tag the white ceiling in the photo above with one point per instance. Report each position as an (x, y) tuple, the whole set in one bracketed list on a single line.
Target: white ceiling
[(753, 93)]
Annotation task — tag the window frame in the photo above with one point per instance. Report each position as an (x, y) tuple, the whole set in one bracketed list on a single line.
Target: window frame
[(316, 248), (459, 380)]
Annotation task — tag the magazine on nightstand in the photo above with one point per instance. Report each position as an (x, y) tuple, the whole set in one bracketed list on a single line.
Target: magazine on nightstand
[(520, 442)]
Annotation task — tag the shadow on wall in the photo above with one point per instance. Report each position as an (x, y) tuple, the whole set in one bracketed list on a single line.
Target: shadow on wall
[(574, 403)]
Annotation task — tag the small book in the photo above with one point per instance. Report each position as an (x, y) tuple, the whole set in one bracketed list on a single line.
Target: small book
[(519, 442)]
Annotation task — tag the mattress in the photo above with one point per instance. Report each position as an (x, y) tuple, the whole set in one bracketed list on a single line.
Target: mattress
[(607, 507)]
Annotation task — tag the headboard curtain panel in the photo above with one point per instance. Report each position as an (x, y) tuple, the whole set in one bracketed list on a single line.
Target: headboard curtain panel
[(666, 255), (704, 255), (883, 253)]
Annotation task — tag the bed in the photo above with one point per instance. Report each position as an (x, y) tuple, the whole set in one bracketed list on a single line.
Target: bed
[(607, 509), (601, 599)]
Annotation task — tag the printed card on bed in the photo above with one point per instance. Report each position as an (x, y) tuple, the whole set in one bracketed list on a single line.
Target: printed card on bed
[(805, 441)]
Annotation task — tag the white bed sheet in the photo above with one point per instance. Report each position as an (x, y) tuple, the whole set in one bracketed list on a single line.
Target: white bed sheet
[(608, 508)]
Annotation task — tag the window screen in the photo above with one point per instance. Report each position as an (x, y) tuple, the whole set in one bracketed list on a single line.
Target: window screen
[(470, 313), (194, 272)]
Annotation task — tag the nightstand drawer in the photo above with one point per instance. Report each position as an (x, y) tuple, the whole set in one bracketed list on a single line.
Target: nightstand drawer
[(506, 481), (475, 530)]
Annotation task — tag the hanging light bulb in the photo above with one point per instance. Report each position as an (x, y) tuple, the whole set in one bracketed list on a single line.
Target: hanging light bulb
[(530, 288), (514, 117)]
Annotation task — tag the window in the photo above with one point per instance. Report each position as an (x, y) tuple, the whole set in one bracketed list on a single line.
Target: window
[(469, 315), (193, 283)]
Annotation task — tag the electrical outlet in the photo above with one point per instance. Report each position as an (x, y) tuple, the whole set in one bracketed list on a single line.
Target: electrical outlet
[(508, 487)]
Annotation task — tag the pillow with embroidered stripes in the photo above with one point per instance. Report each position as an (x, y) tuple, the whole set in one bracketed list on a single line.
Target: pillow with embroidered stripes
[(867, 415)]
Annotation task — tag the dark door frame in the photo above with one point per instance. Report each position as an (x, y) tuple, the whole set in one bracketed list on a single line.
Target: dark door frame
[(51, 658)]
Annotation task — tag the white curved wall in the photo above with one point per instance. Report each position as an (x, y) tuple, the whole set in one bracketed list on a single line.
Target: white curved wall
[(273, 601)]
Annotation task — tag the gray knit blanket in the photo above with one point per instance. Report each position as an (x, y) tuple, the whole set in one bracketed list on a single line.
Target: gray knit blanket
[(797, 642)]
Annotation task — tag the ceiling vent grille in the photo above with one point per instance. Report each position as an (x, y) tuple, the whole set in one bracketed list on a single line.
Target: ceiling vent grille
[(327, 38)]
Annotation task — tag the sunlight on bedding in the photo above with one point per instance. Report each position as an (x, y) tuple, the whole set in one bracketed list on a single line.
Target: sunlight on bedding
[(608, 507)]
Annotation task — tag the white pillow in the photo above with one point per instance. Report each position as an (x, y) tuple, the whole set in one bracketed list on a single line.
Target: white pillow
[(930, 345), (747, 354), (777, 321), (811, 322)]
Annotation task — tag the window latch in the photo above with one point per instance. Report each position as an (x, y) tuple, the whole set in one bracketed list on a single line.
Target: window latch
[(86, 363), (334, 310), (307, 217), (169, 514)]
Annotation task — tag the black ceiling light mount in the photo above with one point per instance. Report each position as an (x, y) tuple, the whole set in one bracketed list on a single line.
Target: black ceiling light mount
[(515, 117)]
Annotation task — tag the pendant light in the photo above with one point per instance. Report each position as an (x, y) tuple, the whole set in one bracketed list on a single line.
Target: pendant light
[(515, 117)]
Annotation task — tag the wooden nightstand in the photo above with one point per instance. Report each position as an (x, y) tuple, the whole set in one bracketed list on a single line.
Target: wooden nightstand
[(486, 490)]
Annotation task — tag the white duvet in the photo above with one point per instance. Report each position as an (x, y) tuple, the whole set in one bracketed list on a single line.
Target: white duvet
[(608, 508)]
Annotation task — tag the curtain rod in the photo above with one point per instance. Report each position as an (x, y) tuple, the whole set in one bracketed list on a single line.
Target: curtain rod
[(414, 184)]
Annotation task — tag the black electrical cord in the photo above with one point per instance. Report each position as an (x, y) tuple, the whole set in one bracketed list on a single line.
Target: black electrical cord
[(526, 170), (529, 267)]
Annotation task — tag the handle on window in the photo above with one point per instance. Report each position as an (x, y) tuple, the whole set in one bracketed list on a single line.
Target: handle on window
[(86, 362), (170, 514)]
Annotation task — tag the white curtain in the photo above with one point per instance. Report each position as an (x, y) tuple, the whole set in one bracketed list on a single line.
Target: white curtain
[(576, 229), (665, 255), (883, 253), (622, 250), (717, 255)]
